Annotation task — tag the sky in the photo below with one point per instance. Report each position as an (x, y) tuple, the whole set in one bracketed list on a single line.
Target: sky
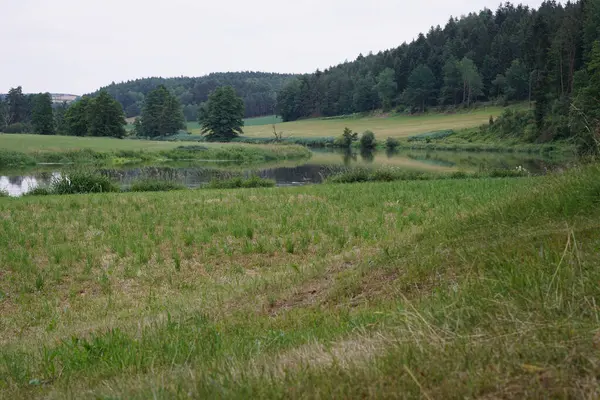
[(78, 46)]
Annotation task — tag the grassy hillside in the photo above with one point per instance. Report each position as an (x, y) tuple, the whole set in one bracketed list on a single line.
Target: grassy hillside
[(397, 126), (430, 289)]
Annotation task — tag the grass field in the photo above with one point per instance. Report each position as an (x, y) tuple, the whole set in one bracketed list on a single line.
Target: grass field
[(397, 126), (434, 289), (28, 150), (32, 143)]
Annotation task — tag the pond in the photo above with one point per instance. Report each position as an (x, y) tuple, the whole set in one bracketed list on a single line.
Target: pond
[(322, 164)]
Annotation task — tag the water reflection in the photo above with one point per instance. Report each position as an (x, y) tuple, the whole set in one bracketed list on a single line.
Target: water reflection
[(18, 185), (321, 165)]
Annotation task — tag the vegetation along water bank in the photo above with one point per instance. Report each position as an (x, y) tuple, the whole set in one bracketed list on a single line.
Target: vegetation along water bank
[(28, 150)]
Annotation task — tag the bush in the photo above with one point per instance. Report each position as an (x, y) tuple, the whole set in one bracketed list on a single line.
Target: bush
[(237, 183), (367, 140), (15, 159), (392, 144), (513, 123), (82, 182), (18, 128), (155, 185), (346, 139), (3, 193)]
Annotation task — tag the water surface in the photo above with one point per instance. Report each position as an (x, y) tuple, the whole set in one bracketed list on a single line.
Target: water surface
[(322, 164)]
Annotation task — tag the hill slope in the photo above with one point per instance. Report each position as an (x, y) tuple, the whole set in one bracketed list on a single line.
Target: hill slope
[(258, 89)]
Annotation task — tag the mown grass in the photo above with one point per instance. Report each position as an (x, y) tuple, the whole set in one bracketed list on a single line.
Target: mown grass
[(398, 126), (421, 289)]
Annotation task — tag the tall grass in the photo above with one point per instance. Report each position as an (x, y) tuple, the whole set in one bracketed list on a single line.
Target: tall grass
[(243, 153), (15, 159), (238, 182), (471, 288), (155, 185), (390, 174), (80, 182)]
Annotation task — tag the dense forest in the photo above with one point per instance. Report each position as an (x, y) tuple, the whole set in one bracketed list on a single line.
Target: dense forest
[(257, 89), (513, 54)]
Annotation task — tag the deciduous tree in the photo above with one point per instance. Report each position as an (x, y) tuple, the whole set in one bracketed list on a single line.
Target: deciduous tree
[(222, 116)]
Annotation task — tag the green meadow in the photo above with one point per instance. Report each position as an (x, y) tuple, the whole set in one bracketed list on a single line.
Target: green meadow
[(21, 150), (419, 289), (384, 126)]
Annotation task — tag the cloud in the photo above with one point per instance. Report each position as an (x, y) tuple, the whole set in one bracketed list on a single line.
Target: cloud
[(77, 46)]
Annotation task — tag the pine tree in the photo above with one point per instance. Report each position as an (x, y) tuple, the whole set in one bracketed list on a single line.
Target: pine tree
[(386, 87), (222, 116), (517, 81), (60, 121), (421, 87), (42, 117), (453, 86), (17, 106)]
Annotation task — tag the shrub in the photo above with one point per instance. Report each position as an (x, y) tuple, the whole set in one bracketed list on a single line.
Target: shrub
[(346, 139), (458, 175), (15, 159), (367, 140), (82, 182), (18, 128), (155, 185), (3, 193), (392, 144), (513, 123)]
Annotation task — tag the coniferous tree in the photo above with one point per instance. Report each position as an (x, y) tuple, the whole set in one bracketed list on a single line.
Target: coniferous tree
[(421, 87), (42, 117), (4, 114), (453, 85), (60, 121), (517, 81), (222, 116), (17, 106), (386, 87), (365, 97)]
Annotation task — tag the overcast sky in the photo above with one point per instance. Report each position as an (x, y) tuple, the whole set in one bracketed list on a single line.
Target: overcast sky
[(77, 46)]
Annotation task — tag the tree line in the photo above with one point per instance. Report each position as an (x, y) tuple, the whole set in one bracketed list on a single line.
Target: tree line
[(515, 54), (36, 113), (257, 89), (221, 116)]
